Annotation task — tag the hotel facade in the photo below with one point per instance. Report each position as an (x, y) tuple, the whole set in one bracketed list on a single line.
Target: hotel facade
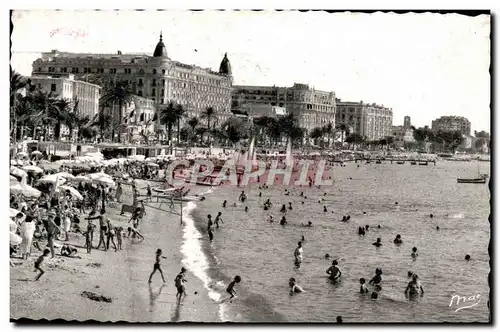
[(314, 108), (370, 121), (155, 77), (452, 123)]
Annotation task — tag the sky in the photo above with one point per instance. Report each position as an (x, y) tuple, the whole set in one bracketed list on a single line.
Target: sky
[(421, 65)]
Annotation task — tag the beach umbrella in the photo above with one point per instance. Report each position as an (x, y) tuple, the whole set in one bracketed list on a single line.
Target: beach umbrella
[(24, 189), (75, 193), (104, 180), (22, 154), (153, 164), (49, 166), (36, 153), (81, 178), (65, 175), (13, 162), (13, 179), (13, 212), (52, 178), (12, 226), (34, 169), (99, 175), (15, 239), (18, 172)]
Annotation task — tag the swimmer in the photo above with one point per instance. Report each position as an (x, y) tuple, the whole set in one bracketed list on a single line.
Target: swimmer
[(302, 202), (344, 218), (410, 274), (271, 219), (309, 224), (294, 287), (366, 227), (246, 208), (339, 318), (396, 203), (364, 212), (377, 279), (379, 226), (234, 204), (242, 198), (224, 204), (363, 289), (298, 254), (414, 253), (374, 295), (361, 231), (348, 218), (333, 271), (467, 257), (283, 221), (431, 215), (437, 228), (414, 287), (398, 240), (217, 219), (260, 194), (290, 206), (301, 194), (303, 239), (327, 256), (283, 208), (378, 243), (324, 209), (230, 287)]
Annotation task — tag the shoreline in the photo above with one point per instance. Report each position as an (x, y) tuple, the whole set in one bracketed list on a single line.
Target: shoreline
[(57, 295)]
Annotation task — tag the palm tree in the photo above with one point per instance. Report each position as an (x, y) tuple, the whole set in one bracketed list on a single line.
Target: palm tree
[(46, 103), (168, 117), (59, 113), (317, 133), (208, 114), (17, 82), (328, 130), (288, 127), (344, 131), (180, 113), (236, 129), (118, 93), (102, 120), (193, 122)]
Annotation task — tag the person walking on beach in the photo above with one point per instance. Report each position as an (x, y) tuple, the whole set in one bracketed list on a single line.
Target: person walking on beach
[(298, 254), (102, 228), (230, 287), (119, 234), (179, 280), (157, 265), (135, 217), (217, 219), (118, 193), (110, 234), (209, 228), (52, 231), (38, 263)]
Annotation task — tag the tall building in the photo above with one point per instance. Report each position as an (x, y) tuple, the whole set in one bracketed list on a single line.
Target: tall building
[(156, 77), (66, 87), (407, 122), (370, 121), (452, 123), (314, 108)]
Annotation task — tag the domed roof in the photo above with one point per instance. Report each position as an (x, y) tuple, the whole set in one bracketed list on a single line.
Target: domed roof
[(225, 66), (160, 50)]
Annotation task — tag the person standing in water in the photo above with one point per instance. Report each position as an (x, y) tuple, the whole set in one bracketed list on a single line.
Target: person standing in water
[(157, 265), (294, 287), (209, 228), (414, 287), (217, 219), (377, 279), (333, 271), (242, 198), (298, 254), (414, 253)]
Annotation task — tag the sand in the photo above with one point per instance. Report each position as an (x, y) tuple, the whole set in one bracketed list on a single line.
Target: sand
[(120, 276)]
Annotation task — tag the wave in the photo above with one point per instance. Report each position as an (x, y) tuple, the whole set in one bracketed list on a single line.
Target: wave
[(195, 259)]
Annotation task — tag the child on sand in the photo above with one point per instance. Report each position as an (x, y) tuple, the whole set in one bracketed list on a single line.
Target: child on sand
[(157, 265), (230, 287), (38, 263), (119, 231), (134, 232), (179, 280)]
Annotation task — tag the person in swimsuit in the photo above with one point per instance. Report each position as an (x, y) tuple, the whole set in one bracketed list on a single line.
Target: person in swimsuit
[(414, 287), (294, 287), (333, 271), (398, 240), (378, 243), (283, 221), (157, 265), (230, 287), (298, 254), (363, 289), (38, 263), (134, 232), (217, 219), (283, 208), (377, 279), (179, 280), (414, 253), (209, 228)]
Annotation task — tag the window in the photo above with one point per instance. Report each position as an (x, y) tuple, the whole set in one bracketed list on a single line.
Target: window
[(153, 92), (112, 70), (154, 82), (162, 82), (154, 71), (64, 70), (53, 87), (161, 101), (163, 92), (140, 81), (128, 71), (163, 71), (140, 93), (51, 69), (39, 68)]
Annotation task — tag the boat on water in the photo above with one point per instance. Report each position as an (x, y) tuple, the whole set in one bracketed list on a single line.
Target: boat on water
[(424, 163), (413, 162), (475, 180), (400, 162)]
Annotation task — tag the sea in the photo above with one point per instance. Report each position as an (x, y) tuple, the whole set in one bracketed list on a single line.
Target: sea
[(392, 199)]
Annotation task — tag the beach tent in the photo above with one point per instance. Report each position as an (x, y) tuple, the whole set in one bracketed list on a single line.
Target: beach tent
[(34, 169), (18, 172), (75, 193), (24, 189)]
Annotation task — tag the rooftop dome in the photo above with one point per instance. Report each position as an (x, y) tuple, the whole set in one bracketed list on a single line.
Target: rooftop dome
[(225, 66), (160, 50)]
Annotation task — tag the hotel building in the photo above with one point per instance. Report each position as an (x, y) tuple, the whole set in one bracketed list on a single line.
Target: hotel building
[(452, 123)]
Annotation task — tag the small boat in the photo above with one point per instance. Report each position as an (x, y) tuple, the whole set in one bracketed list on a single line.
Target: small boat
[(378, 162), (400, 162), (413, 163), (424, 163), (475, 180)]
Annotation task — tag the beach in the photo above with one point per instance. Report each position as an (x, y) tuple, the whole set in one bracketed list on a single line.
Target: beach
[(121, 276)]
